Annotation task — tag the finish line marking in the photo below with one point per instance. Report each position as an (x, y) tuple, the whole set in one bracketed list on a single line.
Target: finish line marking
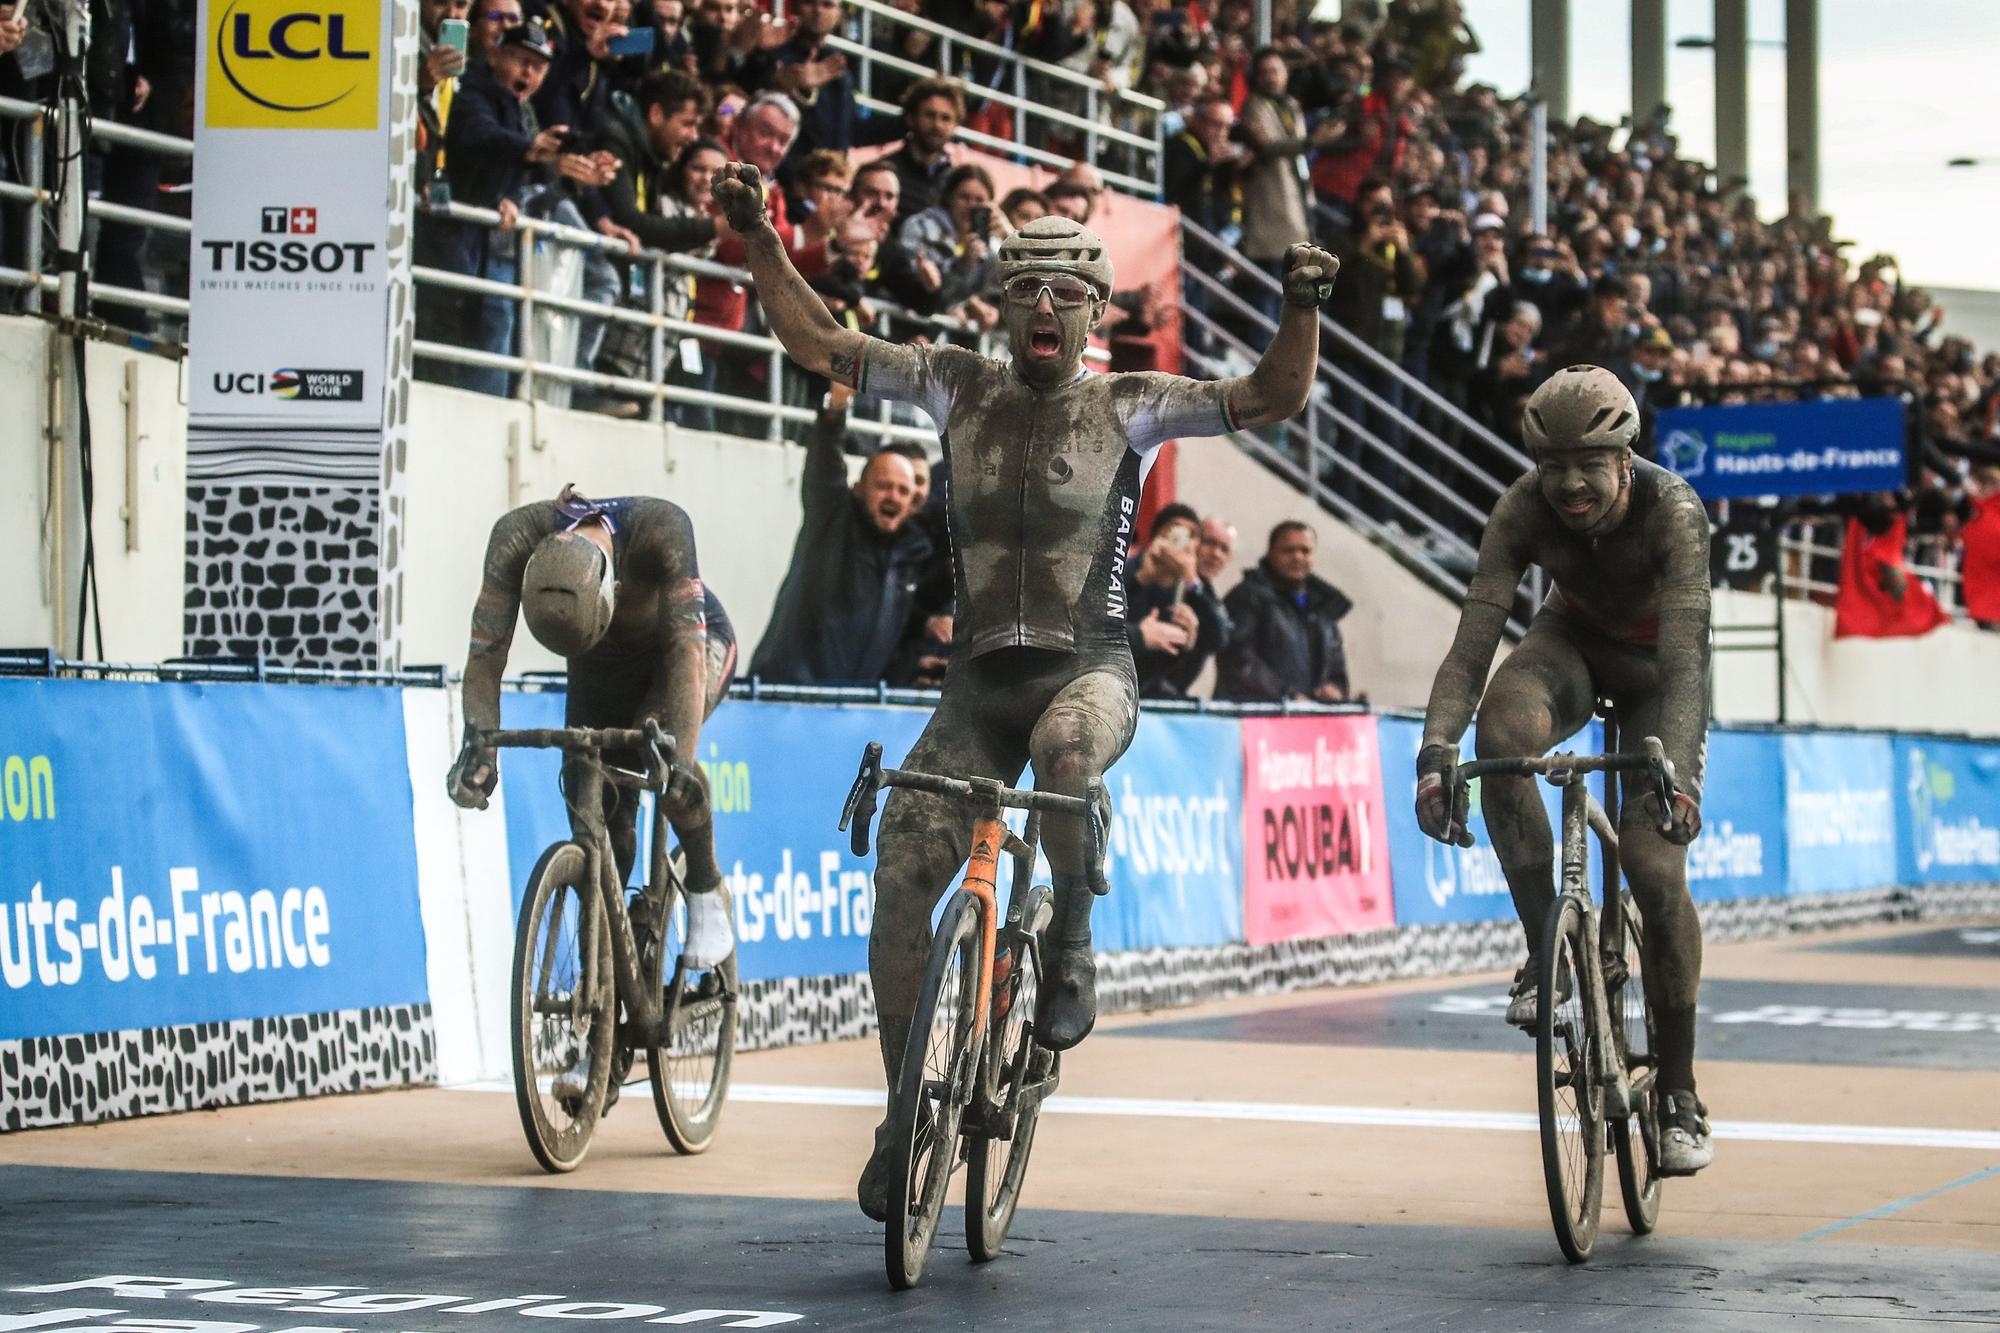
[(1379, 1117), (1394, 1117)]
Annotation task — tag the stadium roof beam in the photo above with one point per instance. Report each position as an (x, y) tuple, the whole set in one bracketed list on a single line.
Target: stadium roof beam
[(1548, 55)]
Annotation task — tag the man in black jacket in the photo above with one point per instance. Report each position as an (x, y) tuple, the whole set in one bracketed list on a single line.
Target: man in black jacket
[(495, 153), (670, 107), (855, 571), (1285, 639)]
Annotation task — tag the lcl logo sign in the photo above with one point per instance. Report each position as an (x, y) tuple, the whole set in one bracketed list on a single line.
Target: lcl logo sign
[(294, 64)]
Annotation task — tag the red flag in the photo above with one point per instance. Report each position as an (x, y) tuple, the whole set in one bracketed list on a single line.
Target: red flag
[(1981, 569), (1878, 598)]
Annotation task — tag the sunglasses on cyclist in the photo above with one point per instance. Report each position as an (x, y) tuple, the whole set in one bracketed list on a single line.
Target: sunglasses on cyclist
[(1065, 293)]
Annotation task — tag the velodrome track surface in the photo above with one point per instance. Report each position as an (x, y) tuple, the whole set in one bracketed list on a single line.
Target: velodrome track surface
[(1360, 1158)]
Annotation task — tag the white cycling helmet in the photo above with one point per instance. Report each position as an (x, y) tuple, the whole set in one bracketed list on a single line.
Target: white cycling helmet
[(1057, 245), (1580, 407)]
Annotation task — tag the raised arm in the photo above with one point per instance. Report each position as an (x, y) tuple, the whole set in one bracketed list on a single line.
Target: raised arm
[(1278, 387), (797, 315)]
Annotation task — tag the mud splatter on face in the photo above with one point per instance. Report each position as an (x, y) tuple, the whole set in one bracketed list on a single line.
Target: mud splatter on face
[(1047, 343), (1585, 487)]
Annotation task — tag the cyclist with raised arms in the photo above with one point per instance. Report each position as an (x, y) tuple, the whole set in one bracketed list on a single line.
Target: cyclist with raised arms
[(613, 588), (1625, 544), (1047, 460)]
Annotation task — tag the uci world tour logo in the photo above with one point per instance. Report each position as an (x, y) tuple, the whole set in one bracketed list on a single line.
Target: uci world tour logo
[(294, 64)]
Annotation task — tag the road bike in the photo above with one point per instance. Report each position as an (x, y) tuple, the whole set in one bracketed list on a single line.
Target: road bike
[(591, 985), (1595, 1063), (973, 1077)]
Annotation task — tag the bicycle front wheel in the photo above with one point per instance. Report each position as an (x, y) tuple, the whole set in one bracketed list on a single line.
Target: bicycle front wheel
[(936, 1082), (1638, 1144), (994, 1168), (562, 1013), (1570, 1100), (690, 1068)]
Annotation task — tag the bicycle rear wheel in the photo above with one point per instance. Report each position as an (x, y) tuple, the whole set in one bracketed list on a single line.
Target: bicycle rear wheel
[(562, 1012), (1570, 1101), (994, 1168), (690, 1070), (1638, 1144), (938, 1068)]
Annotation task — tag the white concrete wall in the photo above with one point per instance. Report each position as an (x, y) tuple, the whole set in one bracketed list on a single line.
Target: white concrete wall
[(139, 553), (1399, 629), (473, 457), (1944, 681)]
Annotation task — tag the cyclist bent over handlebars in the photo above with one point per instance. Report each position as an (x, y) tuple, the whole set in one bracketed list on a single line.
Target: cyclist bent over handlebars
[(613, 588), (1047, 460), (1625, 544)]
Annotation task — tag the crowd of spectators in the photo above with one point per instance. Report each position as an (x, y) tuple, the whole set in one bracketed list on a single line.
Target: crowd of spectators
[(1355, 124)]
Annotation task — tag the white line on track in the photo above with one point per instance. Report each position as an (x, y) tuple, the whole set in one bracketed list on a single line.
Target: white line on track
[(1382, 1117), (1397, 1117)]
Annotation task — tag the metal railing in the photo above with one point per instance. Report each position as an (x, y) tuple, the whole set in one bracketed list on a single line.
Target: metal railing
[(1403, 477), (34, 192), (1810, 550), (661, 327), (1104, 119)]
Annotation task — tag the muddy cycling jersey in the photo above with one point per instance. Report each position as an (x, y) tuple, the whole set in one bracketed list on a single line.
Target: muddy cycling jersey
[(1044, 496)]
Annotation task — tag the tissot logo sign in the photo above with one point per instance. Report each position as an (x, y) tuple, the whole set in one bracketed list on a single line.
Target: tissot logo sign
[(294, 64), (303, 251)]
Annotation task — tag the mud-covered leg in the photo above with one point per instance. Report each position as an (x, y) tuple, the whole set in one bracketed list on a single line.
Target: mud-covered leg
[(1541, 694), (922, 843), (1084, 731)]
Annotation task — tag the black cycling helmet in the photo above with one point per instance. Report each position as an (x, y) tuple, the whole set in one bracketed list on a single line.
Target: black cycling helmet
[(566, 594)]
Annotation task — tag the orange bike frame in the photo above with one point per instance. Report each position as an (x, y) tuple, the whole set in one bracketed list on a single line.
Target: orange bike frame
[(988, 836)]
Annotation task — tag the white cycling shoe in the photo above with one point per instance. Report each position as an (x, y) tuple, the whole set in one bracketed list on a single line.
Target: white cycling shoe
[(1686, 1145), (711, 937), (574, 1082)]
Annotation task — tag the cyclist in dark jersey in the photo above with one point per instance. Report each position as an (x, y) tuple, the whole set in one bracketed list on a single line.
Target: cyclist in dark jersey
[(1625, 544), (1046, 463), (611, 586)]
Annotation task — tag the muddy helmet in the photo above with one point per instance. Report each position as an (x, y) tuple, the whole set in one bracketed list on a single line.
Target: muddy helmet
[(1057, 245), (1580, 407), (566, 594)]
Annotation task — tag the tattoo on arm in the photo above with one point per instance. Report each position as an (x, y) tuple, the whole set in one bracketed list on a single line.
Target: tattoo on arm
[(843, 366)]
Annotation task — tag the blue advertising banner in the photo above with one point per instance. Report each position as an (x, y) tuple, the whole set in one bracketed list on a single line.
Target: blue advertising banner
[(1176, 857), (1817, 448), (777, 775), (1840, 822), (174, 854), (1948, 814), (1436, 884), (1741, 850)]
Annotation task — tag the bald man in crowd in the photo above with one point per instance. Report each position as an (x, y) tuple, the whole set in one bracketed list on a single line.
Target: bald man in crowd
[(857, 569)]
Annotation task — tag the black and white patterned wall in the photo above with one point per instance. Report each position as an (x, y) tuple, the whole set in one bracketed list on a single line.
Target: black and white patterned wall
[(49, 1081)]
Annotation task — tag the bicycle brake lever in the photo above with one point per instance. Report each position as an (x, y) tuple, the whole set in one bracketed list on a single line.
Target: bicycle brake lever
[(861, 798), (660, 773), (1099, 834), (1664, 784)]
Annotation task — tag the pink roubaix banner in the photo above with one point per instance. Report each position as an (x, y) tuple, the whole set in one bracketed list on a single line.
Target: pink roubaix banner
[(1315, 840)]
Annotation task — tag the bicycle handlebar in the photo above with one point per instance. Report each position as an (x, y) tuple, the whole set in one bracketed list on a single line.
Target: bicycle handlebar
[(859, 809), (658, 746), (1560, 768)]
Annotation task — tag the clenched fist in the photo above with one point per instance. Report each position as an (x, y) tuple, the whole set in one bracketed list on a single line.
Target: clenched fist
[(1309, 274), (738, 191)]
